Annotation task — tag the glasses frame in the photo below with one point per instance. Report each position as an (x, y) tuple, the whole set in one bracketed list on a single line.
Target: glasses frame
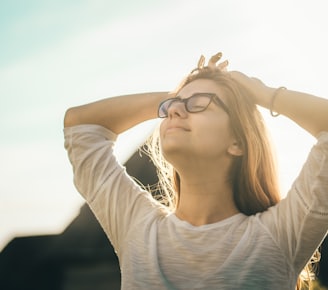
[(212, 96)]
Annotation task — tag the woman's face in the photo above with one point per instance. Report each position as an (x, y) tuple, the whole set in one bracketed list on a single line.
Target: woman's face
[(199, 136)]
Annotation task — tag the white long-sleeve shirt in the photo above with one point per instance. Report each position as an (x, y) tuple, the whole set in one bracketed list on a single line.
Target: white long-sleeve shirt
[(157, 250)]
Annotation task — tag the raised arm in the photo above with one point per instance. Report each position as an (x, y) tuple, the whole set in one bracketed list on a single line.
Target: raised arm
[(308, 111), (117, 113)]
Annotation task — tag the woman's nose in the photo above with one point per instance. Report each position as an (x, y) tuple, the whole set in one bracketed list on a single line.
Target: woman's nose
[(177, 109)]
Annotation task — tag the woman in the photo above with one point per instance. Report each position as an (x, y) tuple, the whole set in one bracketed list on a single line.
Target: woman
[(221, 224)]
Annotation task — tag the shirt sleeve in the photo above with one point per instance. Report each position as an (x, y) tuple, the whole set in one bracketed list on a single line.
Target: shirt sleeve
[(299, 222), (117, 200)]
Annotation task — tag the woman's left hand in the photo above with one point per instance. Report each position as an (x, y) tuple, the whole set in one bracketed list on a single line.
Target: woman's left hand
[(258, 91)]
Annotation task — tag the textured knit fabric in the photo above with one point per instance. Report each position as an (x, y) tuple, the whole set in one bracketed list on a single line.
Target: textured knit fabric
[(157, 250)]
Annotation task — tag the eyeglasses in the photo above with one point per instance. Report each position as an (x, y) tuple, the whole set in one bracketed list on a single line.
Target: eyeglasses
[(194, 104)]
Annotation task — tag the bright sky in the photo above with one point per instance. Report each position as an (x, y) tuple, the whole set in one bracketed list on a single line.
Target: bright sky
[(57, 54)]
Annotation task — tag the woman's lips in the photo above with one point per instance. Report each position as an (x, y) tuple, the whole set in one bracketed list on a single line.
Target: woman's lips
[(176, 128)]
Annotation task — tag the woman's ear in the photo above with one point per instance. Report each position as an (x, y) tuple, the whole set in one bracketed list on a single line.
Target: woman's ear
[(235, 149)]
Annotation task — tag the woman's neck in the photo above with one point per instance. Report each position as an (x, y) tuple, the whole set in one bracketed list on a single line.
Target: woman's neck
[(205, 200)]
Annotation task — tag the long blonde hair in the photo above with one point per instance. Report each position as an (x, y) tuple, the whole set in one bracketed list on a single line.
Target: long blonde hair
[(253, 175)]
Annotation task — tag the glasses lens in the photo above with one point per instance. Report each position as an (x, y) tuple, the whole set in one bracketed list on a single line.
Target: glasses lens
[(198, 103), (163, 108)]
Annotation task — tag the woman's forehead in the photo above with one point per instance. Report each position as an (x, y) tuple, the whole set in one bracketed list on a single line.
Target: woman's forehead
[(200, 86)]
